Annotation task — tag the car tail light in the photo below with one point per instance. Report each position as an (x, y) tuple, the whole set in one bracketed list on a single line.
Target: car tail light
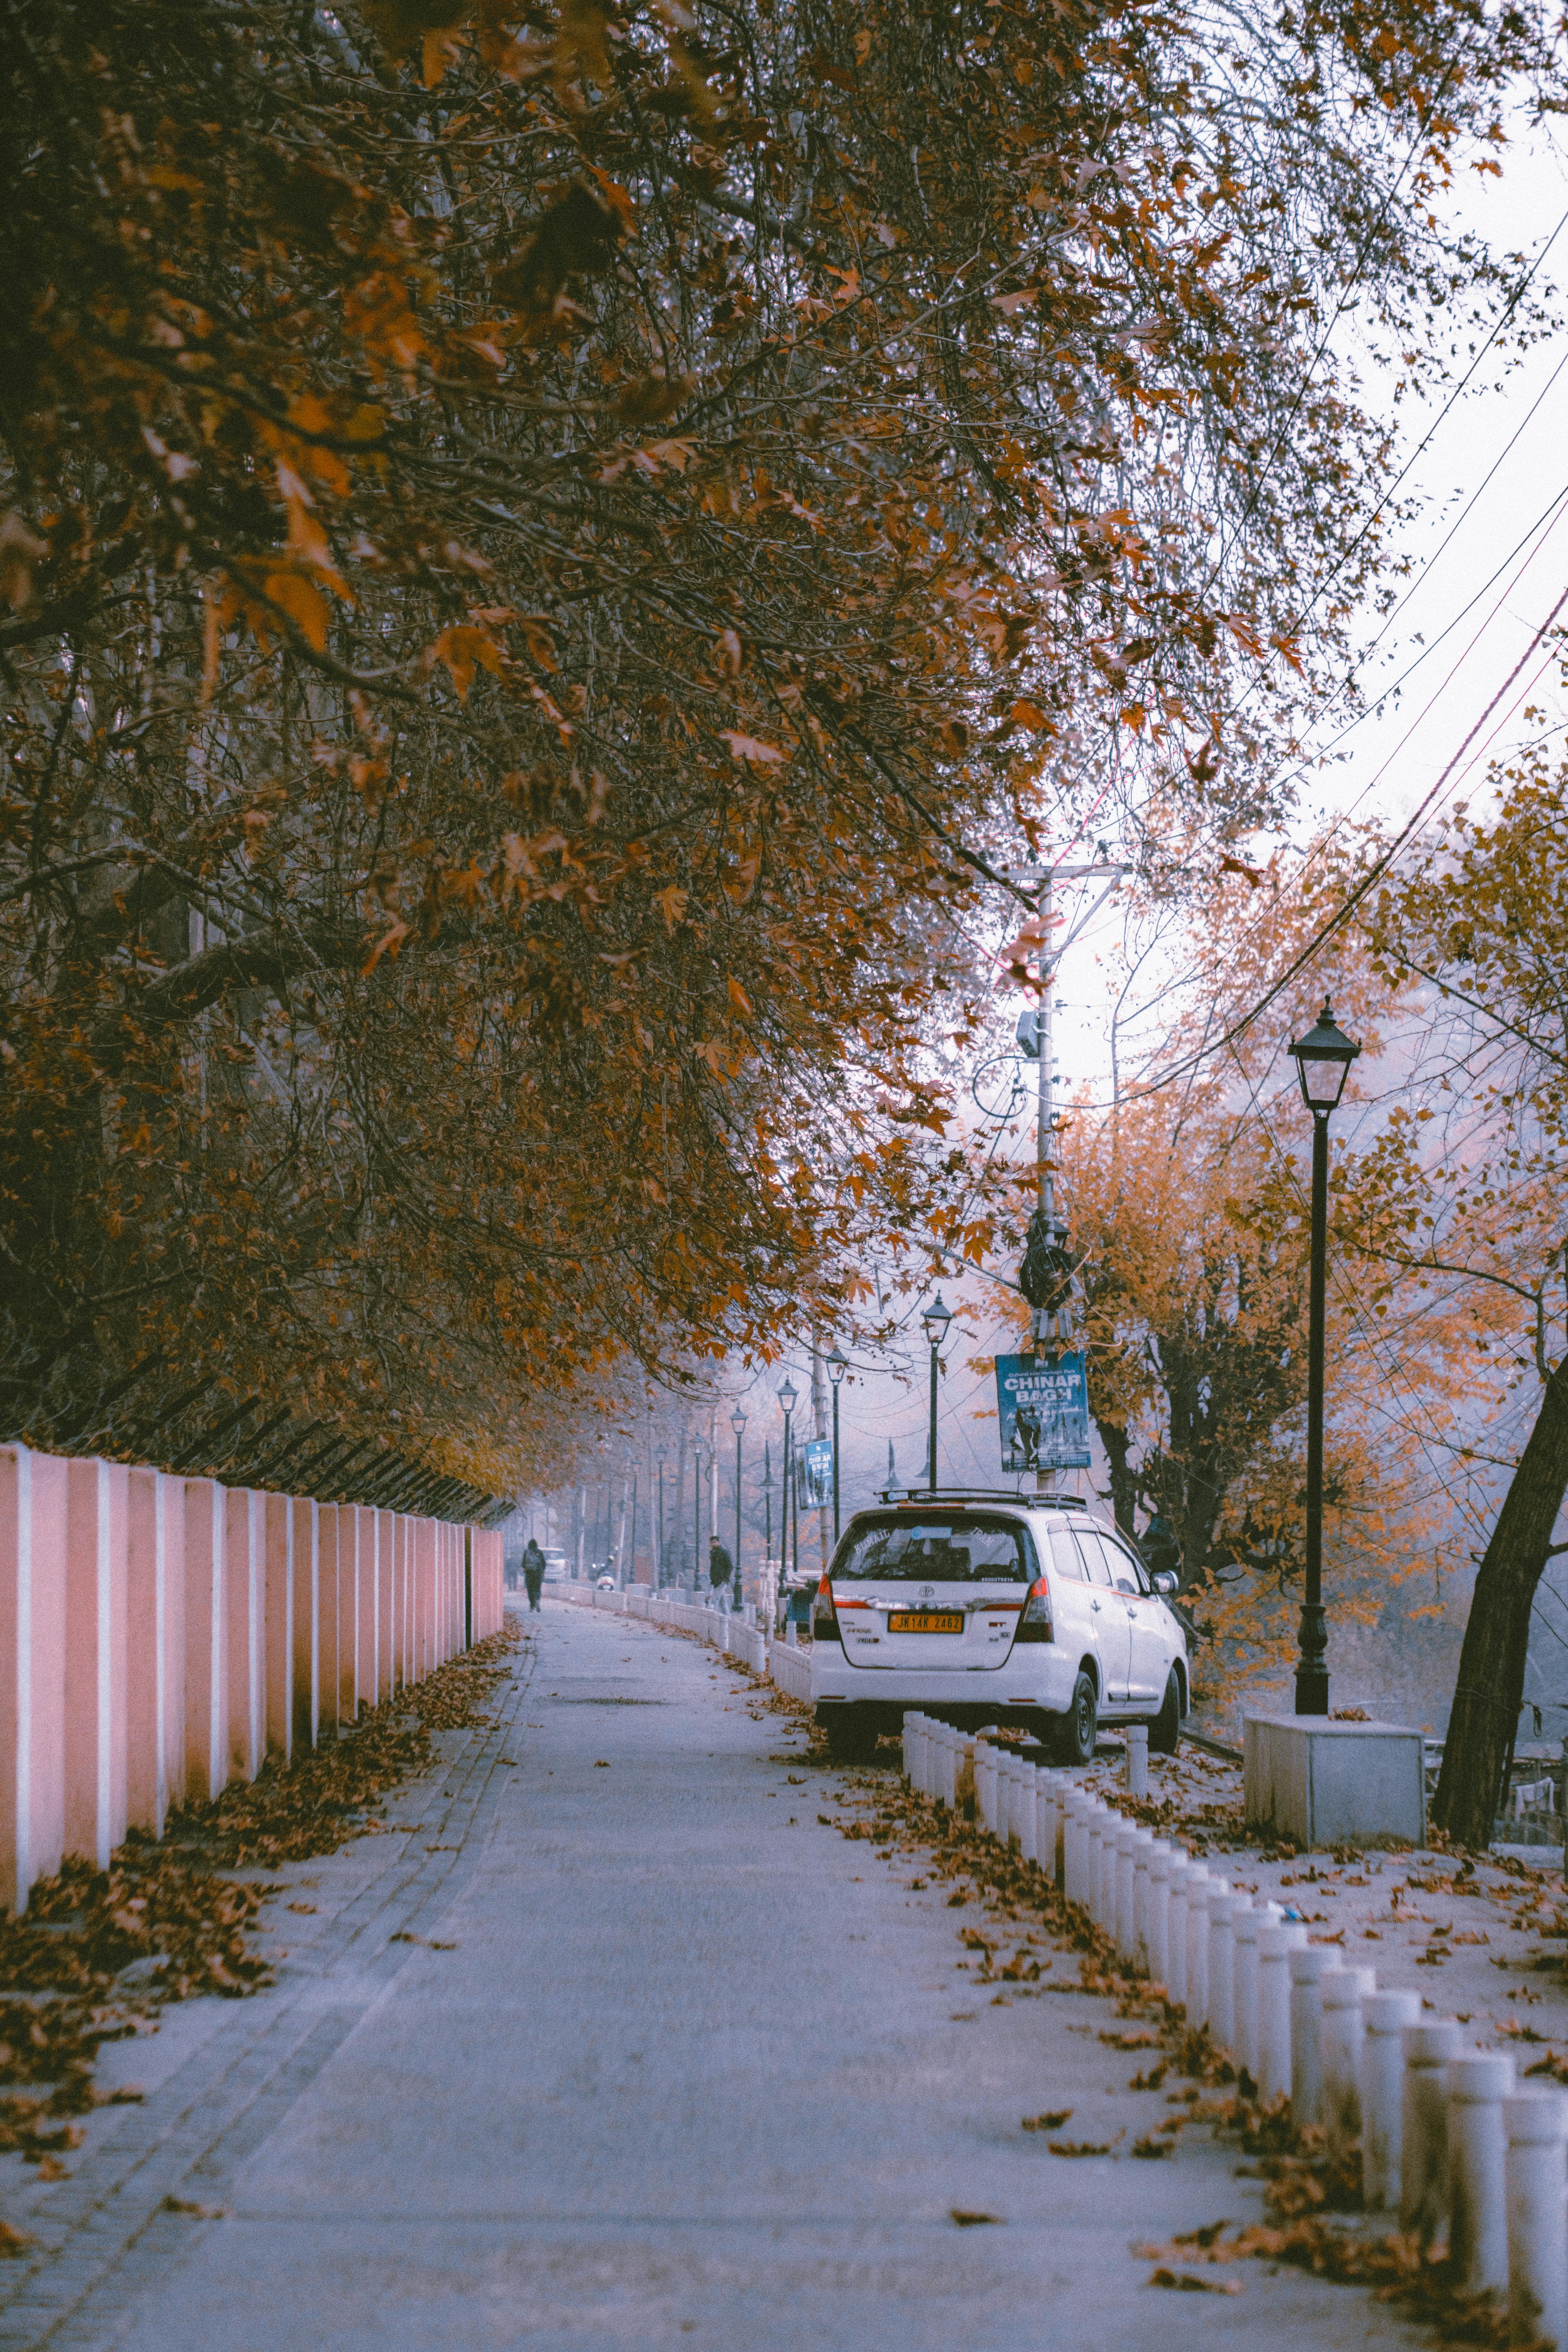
[(824, 1617), (1035, 1625)]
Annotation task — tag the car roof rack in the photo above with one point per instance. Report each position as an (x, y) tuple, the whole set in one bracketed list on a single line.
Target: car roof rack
[(917, 1498)]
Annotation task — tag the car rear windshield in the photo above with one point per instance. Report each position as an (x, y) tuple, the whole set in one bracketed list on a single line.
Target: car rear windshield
[(937, 1548)]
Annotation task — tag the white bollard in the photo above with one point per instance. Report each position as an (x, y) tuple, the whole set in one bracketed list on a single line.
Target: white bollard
[(1047, 1835), (1223, 1912), (1163, 1864), (1536, 2123), (984, 1783), (1384, 2016), (1275, 1946), (1478, 2081), (1198, 1945), (1177, 1930), (1423, 2127), (1245, 1930), (1110, 1830), (1020, 1803), (1129, 1837), (1074, 1839), (1343, 1990), (1029, 1814), (1093, 1831), (1307, 1970), (1137, 1759), (963, 1772), (1142, 1865), (1066, 1814)]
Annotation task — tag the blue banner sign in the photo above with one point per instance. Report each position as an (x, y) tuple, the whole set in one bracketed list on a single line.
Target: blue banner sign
[(813, 1463), (1042, 1406)]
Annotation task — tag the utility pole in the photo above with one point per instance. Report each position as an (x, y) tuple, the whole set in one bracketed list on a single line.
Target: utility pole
[(1045, 1324), (819, 1429), (1044, 1273)]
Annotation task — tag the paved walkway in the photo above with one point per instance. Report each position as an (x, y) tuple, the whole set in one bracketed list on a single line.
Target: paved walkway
[(672, 2063)]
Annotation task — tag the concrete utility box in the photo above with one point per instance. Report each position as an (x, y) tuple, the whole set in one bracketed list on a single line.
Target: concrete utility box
[(1322, 1783)]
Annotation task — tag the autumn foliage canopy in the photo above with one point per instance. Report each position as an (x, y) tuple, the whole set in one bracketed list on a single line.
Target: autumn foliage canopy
[(547, 553)]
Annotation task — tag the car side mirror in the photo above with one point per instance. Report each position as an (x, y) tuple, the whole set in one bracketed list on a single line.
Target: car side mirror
[(1164, 1581)]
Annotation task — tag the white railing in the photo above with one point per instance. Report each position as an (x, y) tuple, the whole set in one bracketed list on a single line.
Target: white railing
[(1448, 2140)]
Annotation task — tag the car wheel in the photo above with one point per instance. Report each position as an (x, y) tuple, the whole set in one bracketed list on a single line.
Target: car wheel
[(851, 1737), (1076, 1729), (1166, 1731)]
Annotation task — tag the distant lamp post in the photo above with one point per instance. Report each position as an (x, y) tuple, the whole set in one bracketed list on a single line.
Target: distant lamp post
[(696, 1515), (767, 1500), (936, 1319), (738, 1423), (1323, 1057), (787, 1400), (660, 1457), (838, 1365)]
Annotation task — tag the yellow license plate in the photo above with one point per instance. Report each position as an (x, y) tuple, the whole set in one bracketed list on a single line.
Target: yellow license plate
[(925, 1621)]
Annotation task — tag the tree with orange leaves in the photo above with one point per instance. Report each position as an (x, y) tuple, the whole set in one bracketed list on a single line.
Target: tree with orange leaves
[(544, 553)]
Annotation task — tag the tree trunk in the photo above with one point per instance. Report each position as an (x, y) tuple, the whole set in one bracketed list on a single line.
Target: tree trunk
[(1490, 1688), (1124, 1477)]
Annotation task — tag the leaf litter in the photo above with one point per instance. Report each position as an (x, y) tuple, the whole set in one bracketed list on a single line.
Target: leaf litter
[(1313, 2216), (98, 1953)]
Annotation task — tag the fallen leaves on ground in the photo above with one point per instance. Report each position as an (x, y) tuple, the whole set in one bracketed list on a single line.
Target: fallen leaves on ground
[(98, 1952), (1052, 2121)]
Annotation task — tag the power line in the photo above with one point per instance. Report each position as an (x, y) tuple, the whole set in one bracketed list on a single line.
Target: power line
[(1424, 443), (1373, 873), (1360, 261)]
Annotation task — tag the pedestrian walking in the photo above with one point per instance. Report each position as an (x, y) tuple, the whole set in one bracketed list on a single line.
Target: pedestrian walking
[(721, 1566), (533, 1571)]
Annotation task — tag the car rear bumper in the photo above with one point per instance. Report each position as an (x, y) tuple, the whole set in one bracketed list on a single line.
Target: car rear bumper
[(1038, 1674)]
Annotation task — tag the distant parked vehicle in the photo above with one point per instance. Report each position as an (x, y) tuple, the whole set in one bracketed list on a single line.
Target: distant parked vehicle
[(555, 1569), (995, 1607)]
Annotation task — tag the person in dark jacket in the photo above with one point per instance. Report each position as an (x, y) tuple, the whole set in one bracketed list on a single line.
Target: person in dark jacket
[(721, 1566), (533, 1571)]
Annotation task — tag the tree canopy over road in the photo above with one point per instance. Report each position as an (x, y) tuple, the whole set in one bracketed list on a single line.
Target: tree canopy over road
[(545, 552)]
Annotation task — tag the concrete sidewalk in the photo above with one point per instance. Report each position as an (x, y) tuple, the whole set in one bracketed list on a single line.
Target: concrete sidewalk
[(672, 2063)]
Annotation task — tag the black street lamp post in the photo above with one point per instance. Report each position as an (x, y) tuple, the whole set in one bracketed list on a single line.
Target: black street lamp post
[(1323, 1057), (936, 1319), (696, 1516), (837, 1366), (767, 1500), (738, 1423), (787, 1400)]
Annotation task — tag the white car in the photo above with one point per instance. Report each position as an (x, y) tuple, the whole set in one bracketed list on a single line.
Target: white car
[(555, 1569), (986, 1608)]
